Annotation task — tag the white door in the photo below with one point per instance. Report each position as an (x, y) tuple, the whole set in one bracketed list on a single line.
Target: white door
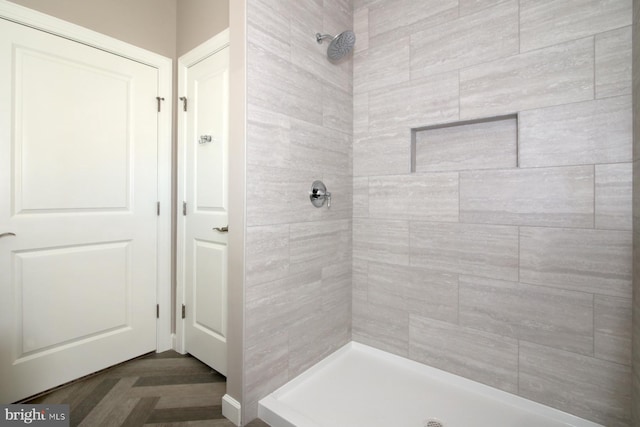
[(203, 254), (78, 188)]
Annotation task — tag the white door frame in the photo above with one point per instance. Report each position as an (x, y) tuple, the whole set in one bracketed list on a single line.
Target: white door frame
[(206, 49), (52, 25)]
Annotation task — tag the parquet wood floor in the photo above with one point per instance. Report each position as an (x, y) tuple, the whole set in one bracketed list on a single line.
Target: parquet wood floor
[(158, 390)]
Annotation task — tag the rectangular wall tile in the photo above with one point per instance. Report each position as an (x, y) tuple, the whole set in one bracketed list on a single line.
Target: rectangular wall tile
[(313, 245), (473, 6), (484, 145), (341, 188), (314, 339), (382, 153), (381, 240), (561, 197), (337, 109), (392, 15), (418, 103), (328, 148), (267, 253), (264, 24), (587, 387), (556, 318), (360, 115), (583, 133), (613, 63), (466, 41), (548, 22), (279, 196), (361, 28), (276, 84), (270, 134), (272, 305), (596, 261), (613, 329), (266, 367), (383, 64), (480, 356), (414, 290), (613, 196), (479, 250), (336, 288), (360, 274), (382, 327), (360, 197), (429, 197), (555, 75)]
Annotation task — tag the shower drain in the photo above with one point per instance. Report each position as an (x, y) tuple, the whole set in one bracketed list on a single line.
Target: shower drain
[(433, 423)]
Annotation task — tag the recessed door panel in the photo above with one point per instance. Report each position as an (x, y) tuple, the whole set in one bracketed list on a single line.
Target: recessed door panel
[(69, 294), (210, 290), (211, 153), (85, 112)]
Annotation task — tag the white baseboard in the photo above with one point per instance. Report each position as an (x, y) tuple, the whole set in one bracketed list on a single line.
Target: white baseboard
[(231, 409)]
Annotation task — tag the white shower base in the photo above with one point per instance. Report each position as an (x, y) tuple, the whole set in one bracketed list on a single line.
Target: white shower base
[(360, 386)]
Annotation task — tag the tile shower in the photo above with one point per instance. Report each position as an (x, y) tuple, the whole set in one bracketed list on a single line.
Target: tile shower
[(506, 255)]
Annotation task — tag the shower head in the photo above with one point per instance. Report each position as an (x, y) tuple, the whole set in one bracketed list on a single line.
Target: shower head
[(340, 45)]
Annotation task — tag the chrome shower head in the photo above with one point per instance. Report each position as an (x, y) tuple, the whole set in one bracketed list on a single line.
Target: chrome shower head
[(340, 45)]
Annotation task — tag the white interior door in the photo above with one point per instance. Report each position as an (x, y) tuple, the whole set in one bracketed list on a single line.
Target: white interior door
[(78, 188), (202, 231)]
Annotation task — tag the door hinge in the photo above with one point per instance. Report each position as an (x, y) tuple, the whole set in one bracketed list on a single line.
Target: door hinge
[(184, 208), (158, 208), (184, 103), (159, 99), (157, 311), (184, 311)]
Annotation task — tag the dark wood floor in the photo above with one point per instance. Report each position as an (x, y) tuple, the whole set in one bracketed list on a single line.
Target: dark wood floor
[(165, 389)]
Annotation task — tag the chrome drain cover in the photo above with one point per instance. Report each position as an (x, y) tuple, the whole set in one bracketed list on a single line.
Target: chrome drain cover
[(433, 423)]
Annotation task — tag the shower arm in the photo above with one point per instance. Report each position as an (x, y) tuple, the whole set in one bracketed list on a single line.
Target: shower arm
[(320, 37)]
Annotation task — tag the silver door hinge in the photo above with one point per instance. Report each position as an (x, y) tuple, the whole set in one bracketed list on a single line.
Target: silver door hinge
[(158, 209), (184, 103), (159, 99), (157, 311), (184, 208), (184, 311)]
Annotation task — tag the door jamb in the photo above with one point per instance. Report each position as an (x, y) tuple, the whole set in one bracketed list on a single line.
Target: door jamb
[(197, 54), (40, 21)]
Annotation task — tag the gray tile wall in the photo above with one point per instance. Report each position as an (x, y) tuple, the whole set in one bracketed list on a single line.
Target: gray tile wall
[(635, 403), (504, 246), (299, 129)]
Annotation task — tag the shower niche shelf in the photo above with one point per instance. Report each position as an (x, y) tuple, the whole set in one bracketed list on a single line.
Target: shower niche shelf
[(487, 143)]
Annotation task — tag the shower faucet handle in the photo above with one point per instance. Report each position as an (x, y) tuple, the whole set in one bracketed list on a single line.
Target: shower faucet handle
[(319, 194)]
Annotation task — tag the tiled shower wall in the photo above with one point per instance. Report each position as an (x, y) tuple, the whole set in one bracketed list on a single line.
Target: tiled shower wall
[(635, 403), (299, 129), (512, 263)]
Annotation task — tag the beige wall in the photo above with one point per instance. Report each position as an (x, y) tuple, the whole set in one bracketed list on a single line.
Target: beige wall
[(150, 24), (512, 270), (198, 21), (168, 27)]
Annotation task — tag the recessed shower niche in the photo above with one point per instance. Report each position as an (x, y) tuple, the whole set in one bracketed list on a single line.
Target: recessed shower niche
[(488, 143)]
